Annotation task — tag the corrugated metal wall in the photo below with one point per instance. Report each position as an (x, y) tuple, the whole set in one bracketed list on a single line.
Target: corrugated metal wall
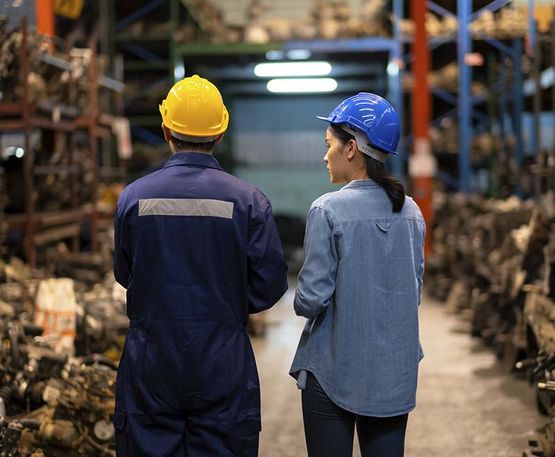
[(279, 145), (280, 130)]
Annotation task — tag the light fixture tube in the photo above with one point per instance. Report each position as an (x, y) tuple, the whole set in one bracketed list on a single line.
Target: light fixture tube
[(301, 85), (278, 69)]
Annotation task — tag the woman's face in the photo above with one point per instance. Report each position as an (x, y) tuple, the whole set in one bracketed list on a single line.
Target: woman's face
[(336, 159)]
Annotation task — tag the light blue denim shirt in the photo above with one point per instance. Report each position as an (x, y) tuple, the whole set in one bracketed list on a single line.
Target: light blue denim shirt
[(359, 288)]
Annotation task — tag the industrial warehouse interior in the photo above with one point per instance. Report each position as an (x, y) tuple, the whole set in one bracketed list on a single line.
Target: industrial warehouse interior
[(277, 228)]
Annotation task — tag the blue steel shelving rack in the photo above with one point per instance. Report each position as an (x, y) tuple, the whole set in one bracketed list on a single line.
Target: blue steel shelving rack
[(393, 46), (463, 103), (146, 60), (465, 100)]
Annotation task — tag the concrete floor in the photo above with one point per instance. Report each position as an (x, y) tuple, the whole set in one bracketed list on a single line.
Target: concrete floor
[(466, 405)]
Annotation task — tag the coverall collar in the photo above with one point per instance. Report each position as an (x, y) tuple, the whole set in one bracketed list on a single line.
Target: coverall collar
[(194, 159), (361, 183)]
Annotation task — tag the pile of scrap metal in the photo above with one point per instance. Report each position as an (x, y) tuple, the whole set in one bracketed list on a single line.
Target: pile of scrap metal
[(328, 19), (508, 22), (51, 405), (54, 173), (446, 78), (52, 402), (53, 79), (97, 308), (90, 268), (436, 26), (494, 262), (3, 224), (539, 318), (469, 231), (504, 24), (57, 88)]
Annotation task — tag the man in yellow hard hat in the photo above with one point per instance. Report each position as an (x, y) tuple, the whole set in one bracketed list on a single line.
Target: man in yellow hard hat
[(197, 250)]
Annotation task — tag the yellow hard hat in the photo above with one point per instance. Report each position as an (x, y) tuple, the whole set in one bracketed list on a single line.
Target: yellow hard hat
[(194, 107)]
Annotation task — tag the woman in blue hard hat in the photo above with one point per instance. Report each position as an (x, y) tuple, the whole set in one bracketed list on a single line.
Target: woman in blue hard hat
[(359, 288)]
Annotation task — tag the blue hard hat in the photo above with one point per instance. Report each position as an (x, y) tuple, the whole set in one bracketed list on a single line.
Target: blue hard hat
[(371, 114)]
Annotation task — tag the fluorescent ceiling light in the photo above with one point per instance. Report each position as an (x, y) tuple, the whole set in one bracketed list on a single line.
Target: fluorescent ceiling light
[(274, 54), (299, 54), (302, 85), (276, 69)]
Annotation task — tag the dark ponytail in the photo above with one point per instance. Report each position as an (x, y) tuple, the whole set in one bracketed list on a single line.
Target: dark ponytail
[(393, 188), (377, 173)]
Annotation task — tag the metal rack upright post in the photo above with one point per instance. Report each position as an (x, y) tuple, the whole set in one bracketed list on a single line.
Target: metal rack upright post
[(466, 101)]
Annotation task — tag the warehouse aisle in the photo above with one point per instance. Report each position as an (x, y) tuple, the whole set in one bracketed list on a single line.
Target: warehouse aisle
[(466, 406)]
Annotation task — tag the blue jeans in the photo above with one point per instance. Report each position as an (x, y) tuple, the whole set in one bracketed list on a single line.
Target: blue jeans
[(329, 429)]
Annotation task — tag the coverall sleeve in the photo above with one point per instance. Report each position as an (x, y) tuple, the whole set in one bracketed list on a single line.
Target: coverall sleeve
[(122, 251), (316, 284), (267, 270)]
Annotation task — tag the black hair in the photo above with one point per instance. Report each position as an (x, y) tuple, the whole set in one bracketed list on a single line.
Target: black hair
[(181, 145), (377, 172)]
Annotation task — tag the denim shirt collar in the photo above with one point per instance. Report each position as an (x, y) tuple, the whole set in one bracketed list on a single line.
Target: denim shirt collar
[(360, 183), (194, 159)]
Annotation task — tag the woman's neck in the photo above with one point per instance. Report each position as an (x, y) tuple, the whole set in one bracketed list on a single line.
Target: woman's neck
[(358, 173)]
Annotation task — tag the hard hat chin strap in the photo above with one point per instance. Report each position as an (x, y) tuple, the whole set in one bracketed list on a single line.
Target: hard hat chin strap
[(363, 144), (192, 139)]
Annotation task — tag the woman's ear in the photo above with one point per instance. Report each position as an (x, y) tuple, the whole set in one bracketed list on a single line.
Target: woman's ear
[(351, 149)]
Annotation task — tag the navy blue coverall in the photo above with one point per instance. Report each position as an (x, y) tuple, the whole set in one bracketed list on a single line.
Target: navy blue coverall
[(197, 250)]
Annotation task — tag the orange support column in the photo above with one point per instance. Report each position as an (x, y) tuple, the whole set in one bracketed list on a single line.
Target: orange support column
[(422, 164), (44, 11)]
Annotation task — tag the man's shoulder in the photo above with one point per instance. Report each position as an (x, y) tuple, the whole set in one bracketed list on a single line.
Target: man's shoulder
[(236, 187), (234, 181), (142, 181), (135, 189)]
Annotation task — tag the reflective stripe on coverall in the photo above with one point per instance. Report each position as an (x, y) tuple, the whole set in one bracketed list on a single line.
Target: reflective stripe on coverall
[(197, 250)]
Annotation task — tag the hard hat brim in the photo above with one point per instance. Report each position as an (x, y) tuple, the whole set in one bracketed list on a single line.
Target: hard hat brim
[(328, 119)]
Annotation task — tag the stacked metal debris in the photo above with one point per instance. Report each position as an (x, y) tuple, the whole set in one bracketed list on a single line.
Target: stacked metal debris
[(209, 19), (504, 24), (329, 19), (57, 87), (494, 262), (447, 78), (52, 403), (3, 225), (508, 22), (53, 80), (435, 26)]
